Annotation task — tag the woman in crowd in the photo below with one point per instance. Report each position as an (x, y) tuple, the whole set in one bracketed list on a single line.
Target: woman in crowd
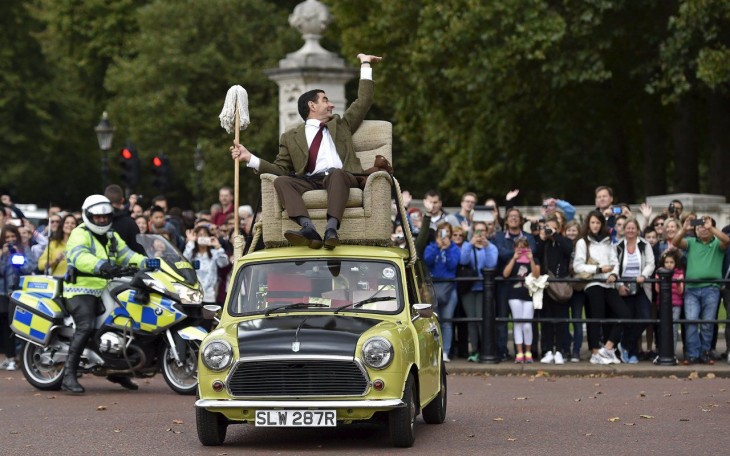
[(491, 206), (53, 259), (670, 261), (458, 235), (10, 271), (479, 253), (636, 263), (553, 255), (577, 301), (595, 255), (143, 224), (442, 257), (207, 250), (520, 265)]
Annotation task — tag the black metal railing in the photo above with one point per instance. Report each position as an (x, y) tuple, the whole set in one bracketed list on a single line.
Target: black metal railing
[(488, 349)]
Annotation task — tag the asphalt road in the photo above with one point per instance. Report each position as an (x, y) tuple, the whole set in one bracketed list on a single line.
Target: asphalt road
[(486, 415)]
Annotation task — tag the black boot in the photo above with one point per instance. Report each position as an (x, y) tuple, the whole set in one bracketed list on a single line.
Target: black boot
[(70, 383), (123, 380)]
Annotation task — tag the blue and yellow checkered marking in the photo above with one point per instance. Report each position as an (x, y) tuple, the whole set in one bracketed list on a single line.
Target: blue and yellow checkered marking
[(31, 325), (155, 315), (44, 305), (44, 286), (193, 333)]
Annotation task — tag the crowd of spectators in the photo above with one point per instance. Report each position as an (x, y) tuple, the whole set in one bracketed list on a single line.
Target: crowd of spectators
[(613, 250)]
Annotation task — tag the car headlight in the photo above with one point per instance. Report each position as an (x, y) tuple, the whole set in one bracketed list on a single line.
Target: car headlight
[(188, 295), (217, 355), (377, 352)]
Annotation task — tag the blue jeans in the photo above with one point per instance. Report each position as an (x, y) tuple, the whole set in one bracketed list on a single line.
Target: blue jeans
[(447, 299), (700, 304)]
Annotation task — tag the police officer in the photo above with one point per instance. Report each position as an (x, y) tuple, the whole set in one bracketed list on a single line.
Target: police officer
[(94, 252)]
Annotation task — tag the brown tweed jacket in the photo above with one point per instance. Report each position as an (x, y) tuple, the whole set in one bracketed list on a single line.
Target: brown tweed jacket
[(293, 150)]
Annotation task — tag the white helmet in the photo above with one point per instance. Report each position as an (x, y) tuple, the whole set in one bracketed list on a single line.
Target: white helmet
[(97, 205)]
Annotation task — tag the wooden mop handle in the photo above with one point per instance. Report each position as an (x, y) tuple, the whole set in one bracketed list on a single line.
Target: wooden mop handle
[(235, 176)]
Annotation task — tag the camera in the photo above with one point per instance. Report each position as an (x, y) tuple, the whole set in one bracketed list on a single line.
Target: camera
[(444, 233), (548, 231), (670, 208), (616, 210), (203, 240), (697, 222)]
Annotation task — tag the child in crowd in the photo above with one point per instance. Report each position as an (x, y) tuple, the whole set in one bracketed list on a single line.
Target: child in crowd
[(670, 260), (520, 265)]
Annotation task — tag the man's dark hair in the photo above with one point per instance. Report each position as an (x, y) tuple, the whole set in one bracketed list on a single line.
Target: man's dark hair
[(114, 193), (227, 188), (604, 187), (432, 193), (158, 198), (156, 209), (304, 99)]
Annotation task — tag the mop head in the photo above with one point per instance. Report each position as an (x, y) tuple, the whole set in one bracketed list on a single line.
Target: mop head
[(236, 100)]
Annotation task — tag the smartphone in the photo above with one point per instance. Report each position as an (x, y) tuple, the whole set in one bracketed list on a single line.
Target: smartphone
[(697, 222), (444, 233), (16, 222), (203, 240), (617, 210)]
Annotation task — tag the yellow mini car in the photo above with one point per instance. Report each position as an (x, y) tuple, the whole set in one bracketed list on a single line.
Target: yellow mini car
[(316, 338)]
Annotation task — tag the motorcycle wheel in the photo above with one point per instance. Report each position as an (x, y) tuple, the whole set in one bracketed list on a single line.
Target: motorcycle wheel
[(181, 379), (41, 376)]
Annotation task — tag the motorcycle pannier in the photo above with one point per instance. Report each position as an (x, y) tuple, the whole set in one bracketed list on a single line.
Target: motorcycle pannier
[(34, 316)]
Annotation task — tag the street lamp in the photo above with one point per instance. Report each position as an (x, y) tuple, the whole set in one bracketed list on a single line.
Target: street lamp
[(104, 134)]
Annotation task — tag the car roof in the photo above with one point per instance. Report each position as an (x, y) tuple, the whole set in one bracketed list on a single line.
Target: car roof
[(342, 251)]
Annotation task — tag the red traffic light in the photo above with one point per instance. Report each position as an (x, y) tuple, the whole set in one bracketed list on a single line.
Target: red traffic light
[(126, 154), (157, 162)]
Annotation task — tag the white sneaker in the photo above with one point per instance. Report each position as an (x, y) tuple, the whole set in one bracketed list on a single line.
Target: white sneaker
[(559, 358), (549, 358), (595, 359), (609, 355), (446, 358), (11, 365)]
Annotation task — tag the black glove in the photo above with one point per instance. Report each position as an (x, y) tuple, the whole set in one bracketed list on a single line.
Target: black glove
[(109, 270)]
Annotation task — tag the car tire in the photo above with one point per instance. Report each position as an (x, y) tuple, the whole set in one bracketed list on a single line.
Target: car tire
[(211, 426), (402, 420), (435, 411)]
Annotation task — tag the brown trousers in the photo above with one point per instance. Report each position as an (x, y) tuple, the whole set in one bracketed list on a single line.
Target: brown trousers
[(337, 183)]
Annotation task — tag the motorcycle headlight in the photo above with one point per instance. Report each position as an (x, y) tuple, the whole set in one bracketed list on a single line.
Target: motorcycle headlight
[(377, 352), (188, 295), (217, 355)]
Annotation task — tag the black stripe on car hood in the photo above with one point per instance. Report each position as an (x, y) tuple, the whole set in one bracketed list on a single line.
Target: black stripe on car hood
[(318, 335)]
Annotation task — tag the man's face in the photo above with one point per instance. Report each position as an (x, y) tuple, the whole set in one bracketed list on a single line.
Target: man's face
[(619, 226), (603, 199), (467, 204), (101, 219), (225, 197), (158, 219), (651, 237), (321, 109), (436, 203), (514, 221)]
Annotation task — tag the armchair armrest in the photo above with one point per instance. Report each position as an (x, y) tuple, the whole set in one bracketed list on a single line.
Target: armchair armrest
[(376, 193), (271, 206)]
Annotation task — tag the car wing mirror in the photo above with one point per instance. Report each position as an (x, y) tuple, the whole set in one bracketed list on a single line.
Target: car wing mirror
[(210, 311), (423, 311)]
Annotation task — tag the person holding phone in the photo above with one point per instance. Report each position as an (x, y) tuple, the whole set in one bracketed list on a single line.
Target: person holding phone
[(705, 254), (520, 266), (207, 249), (480, 254), (442, 258)]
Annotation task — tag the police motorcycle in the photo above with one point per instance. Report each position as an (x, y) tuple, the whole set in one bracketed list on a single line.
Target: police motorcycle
[(149, 321)]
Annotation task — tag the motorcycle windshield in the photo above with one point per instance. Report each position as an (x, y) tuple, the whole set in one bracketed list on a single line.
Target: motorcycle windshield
[(157, 246)]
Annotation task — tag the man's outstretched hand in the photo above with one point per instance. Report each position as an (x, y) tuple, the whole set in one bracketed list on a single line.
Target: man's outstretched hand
[(239, 152), (369, 58)]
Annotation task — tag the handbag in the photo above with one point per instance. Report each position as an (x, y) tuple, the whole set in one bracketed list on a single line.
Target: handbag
[(558, 291), (580, 286), (466, 270)]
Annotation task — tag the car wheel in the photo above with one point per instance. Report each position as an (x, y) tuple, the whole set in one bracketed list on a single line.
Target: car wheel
[(402, 420), (435, 411), (212, 427)]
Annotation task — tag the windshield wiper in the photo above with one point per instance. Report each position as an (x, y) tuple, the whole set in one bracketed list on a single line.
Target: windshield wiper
[(355, 305), (296, 305)]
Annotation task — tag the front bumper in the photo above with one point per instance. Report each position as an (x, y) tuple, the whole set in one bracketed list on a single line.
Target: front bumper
[(305, 404)]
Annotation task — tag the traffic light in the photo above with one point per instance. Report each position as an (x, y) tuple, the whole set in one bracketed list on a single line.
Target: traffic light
[(161, 172), (129, 162)]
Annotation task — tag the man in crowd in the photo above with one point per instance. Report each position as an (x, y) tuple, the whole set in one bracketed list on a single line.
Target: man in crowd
[(317, 155), (705, 254), (122, 222), (433, 205), (225, 196), (463, 218), (549, 205)]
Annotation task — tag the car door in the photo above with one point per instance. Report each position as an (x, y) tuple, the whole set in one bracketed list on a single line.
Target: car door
[(427, 329)]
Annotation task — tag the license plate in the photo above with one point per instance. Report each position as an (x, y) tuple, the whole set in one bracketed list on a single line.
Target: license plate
[(296, 418)]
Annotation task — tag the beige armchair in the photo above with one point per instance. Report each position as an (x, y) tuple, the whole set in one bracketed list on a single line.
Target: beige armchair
[(367, 214)]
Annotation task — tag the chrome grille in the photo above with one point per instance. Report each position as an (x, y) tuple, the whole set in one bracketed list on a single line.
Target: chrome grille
[(295, 378)]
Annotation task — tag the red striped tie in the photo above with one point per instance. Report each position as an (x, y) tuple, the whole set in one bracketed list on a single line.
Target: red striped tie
[(314, 148)]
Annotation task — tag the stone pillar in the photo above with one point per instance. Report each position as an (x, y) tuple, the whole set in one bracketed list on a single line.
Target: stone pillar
[(311, 67)]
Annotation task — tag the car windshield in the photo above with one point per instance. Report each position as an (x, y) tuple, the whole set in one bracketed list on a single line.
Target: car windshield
[(156, 246), (337, 285)]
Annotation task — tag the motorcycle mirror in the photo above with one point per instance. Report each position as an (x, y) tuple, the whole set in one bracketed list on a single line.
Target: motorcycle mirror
[(196, 264), (210, 311), (153, 263)]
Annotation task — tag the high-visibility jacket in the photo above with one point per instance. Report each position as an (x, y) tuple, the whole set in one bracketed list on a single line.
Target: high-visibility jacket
[(85, 253)]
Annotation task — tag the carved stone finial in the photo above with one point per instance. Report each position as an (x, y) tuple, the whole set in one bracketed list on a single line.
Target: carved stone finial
[(311, 18)]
